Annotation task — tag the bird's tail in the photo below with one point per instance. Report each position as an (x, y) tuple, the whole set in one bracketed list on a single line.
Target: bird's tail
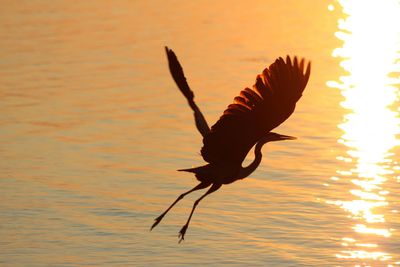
[(202, 173), (187, 170), (194, 170)]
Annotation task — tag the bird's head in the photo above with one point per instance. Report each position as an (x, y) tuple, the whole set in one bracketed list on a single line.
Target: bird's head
[(271, 136)]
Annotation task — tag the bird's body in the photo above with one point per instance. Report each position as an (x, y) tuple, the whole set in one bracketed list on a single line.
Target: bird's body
[(229, 172), (245, 123)]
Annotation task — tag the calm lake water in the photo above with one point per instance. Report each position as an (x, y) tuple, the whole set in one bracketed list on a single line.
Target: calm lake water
[(93, 130)]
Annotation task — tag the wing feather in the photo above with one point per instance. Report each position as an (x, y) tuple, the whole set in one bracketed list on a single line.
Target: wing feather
[(256, 111)]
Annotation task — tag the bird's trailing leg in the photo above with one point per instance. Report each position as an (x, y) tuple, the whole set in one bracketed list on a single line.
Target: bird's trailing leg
[(182, 232), (202, 185)]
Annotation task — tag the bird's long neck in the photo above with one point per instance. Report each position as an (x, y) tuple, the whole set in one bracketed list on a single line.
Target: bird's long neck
[(246, 171)]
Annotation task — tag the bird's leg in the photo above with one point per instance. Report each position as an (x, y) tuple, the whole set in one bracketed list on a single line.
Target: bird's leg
[(202, 185), (182, 232)]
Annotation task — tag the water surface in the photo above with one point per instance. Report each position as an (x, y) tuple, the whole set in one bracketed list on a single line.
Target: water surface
[(93, 130)]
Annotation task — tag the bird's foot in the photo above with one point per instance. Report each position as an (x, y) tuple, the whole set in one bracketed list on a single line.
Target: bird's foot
[(157, 221), (182, 233)]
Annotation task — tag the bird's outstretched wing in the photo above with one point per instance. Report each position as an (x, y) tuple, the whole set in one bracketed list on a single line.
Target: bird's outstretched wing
[(256, 111), (180, 80)]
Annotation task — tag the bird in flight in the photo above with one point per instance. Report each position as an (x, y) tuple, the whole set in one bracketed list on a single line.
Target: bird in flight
[(246, 122)]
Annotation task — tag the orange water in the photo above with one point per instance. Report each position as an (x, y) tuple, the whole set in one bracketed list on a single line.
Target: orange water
[(93, 129)]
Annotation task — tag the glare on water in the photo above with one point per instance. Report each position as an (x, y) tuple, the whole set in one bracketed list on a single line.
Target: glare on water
[(370, 57)]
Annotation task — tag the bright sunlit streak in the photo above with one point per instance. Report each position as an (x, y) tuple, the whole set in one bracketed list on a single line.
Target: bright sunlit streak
[(370, 56)]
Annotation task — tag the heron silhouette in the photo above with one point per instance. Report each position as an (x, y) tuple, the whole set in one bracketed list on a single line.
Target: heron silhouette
[(245, 123)]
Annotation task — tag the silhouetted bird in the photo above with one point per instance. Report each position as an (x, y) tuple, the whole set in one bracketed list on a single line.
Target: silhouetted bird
[(245, 123)]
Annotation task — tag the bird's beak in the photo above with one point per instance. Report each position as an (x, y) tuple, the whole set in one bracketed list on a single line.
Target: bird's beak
[(287, 137)]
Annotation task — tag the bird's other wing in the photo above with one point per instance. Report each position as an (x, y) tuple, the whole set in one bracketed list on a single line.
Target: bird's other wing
[(180, 80), (256, 111)]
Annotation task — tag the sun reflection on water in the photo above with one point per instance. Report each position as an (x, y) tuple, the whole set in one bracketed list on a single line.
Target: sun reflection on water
[(370, 55)]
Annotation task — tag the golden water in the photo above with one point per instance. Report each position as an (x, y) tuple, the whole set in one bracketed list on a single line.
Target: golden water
[(93, 128)]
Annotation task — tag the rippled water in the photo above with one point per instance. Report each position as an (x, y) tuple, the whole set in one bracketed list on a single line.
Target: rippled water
[(93, 129)]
